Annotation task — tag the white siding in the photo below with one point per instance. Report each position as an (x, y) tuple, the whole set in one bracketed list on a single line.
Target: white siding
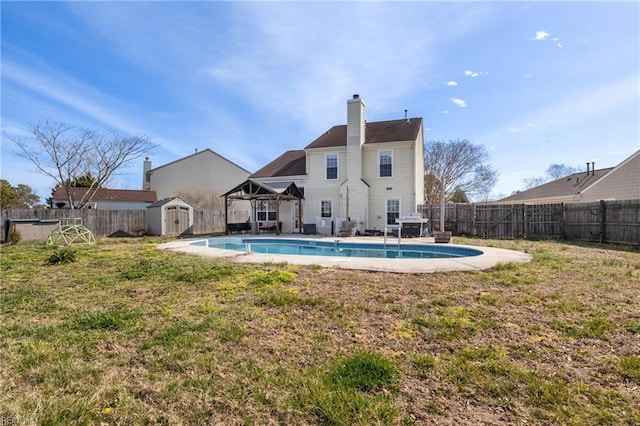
[(317, 187), (401, 185), (419, 168), (205, 170), (367, 201)]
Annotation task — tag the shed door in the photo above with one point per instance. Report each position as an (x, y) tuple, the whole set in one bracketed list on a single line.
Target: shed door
[(177, 220)]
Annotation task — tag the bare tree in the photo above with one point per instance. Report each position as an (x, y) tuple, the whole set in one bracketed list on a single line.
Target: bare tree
[(533, 181), (557, 171), (202, 198), (553, 172), (463, 166), (66, 152)]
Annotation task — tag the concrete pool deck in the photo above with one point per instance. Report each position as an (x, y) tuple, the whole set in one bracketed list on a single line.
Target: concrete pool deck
[(490, 257)]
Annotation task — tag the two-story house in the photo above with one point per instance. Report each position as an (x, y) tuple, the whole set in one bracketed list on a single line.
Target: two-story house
[(367, 173)]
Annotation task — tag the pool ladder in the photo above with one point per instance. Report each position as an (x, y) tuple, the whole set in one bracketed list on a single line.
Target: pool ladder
[(399, 236)]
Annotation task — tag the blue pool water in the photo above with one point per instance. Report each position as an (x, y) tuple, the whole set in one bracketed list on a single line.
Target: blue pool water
[(341, 249)]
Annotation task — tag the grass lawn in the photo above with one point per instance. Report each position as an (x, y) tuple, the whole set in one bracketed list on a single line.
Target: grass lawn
[(121, 333)]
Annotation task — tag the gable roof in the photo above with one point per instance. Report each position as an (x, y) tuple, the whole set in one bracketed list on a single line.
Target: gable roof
[(291, 163), (567, 186), (103, 194), (376, 132), (252, 190), (167, 200), (207, 151)]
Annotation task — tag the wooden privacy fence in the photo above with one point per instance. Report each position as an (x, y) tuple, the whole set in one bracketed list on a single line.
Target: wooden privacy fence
[(603, 221), (114, 223)]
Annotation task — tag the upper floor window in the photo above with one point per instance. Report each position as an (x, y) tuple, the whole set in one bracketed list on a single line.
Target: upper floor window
[(386, 163), (332, 166)]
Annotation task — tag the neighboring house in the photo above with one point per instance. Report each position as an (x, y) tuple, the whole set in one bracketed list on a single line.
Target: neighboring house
[(204, 172), (621, 182), (368, 173), (107, 199)]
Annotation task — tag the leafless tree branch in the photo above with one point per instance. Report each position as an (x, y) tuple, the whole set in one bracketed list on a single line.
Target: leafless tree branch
[(65, 152)]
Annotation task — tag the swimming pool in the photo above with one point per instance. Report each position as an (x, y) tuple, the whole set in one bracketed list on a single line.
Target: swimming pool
[(338, 248)]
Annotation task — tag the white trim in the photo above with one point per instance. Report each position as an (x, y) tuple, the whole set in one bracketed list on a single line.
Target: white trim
[(386, 209), (380, 151), (320, 201), (326, 158)]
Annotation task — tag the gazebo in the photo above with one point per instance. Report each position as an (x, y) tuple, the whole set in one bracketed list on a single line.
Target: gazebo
[(256, 191)]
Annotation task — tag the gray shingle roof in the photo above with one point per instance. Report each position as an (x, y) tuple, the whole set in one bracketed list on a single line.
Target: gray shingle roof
[(565, 186), (380, 131), (291, 163), (103, 194)]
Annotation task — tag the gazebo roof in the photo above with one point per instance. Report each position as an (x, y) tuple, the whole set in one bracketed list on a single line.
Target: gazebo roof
[(253, 190)]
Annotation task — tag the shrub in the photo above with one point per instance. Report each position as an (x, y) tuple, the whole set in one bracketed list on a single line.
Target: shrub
[(629, 367), (365, 371), (270, 278), (15, 236), (62, 255), (112, 319)]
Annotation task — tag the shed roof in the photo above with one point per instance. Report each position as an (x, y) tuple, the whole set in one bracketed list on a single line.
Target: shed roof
[(164, 201)]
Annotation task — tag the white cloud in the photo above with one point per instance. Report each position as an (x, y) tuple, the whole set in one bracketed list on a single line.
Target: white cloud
[(85, 100), (541, 35), (444, 112), (592, 103), (452, 83), (470, 73), (459, 102)]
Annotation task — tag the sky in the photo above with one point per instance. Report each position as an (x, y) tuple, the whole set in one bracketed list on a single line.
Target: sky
[(535, 83)]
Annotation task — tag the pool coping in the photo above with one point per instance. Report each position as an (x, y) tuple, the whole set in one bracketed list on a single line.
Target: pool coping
[(489, 258)]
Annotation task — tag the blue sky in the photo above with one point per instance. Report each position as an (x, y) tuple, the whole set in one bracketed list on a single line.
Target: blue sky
[(535, 83)]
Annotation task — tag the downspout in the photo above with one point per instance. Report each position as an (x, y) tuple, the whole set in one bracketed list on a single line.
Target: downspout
[(300, 224), (277, 215), (226, 216), (442, 205)]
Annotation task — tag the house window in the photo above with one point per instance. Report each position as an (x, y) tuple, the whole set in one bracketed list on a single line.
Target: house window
[(265, 210), (332, 166), (325, 208), (386, 163), (393, 210)]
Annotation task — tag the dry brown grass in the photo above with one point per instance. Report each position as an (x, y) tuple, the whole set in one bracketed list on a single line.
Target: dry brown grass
[(127, 334)]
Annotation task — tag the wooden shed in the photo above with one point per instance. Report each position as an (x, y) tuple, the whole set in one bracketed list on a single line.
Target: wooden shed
[(170, 216)]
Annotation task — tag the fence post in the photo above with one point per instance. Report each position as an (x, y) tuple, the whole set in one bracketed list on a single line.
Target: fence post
[(603, 221), (525, 224), (474, 230), (563, 220)]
